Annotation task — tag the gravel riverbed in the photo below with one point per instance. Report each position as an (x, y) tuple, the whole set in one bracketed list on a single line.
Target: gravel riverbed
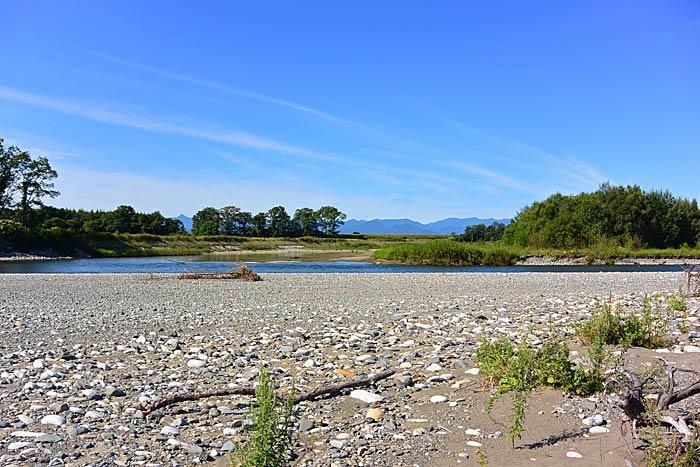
[(80, 355)]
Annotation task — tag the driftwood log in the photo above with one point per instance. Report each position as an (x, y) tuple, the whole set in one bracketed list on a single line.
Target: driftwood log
[(250, 391), (633, 401)]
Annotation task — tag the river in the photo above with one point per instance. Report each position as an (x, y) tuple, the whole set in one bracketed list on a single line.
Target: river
[(205, 263)]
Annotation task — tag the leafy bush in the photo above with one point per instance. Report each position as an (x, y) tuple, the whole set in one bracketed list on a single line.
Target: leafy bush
[(647, 328), (13, 230)]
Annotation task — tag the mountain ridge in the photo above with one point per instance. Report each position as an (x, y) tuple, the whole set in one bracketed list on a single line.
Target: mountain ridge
[(411, 227), (398, 226)]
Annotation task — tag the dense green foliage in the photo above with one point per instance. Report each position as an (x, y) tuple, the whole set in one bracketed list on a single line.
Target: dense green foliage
[(276, 222), (447, 253), (124, 219), (480, 232), (619, 215)]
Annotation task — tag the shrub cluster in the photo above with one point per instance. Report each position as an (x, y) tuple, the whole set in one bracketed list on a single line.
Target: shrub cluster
[(610, 326), (447, 253)]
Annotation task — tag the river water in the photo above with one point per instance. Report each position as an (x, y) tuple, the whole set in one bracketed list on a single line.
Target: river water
[(178, 264)]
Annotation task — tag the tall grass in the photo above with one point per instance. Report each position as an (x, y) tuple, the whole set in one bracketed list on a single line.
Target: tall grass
[(448, 253)]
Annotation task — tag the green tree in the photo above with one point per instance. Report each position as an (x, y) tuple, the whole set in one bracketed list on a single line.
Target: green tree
[(235, 222), (306, 222), (206, 222), (10, 159), (259, 224), (227, 216), (330, 219), (121, 220), (280, 223), (34, 183)]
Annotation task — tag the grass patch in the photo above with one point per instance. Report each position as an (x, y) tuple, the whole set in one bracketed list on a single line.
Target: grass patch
[(448, 253)]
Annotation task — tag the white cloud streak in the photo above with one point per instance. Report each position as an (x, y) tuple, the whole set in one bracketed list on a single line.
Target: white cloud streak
[(219, 87), (231, 137), (577, 172)]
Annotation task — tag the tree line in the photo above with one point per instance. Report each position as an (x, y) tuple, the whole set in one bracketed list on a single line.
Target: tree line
[(276, 222), (25, 181), (483, 233), (626, 216)]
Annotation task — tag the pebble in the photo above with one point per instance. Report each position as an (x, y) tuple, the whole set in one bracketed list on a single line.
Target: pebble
[(57, 420), (365, 396), (374, 414), (599, 430), (195, 363), (574, 455), (438, 399)]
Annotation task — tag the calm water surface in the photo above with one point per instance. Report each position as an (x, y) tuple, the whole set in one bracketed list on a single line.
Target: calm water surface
[(177, 264)]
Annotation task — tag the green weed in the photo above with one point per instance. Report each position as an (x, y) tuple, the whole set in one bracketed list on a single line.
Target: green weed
[(610, 326), (271, 439), (519, 371)]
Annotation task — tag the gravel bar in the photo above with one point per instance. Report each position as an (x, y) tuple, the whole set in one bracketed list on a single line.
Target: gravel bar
[(80, 356)]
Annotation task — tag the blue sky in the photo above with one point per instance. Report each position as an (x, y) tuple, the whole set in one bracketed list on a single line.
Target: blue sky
[(385, 109)]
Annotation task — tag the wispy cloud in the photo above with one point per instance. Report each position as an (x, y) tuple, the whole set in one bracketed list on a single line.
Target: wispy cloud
[(231, 137), (572, 170), (218, 87), (497, 178)]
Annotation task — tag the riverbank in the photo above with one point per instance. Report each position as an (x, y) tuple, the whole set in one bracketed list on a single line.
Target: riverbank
[(87, 351)]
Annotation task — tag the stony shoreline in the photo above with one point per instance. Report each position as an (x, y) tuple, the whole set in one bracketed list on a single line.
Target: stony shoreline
[(81, 354)]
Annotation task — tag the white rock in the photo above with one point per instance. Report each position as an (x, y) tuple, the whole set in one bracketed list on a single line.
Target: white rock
[(38, 364), (472, 432), (194, 363), (473, 371), (574, 455), (366, 396), (595, 420), (434, 368), (474, 444), (691, 349), (169, 431), (57, 420), (438, 399), (599, 429), (18, 445), (26, 434)]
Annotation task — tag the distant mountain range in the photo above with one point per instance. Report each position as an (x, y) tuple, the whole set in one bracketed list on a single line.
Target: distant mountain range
[(410, 227), (398, 226)]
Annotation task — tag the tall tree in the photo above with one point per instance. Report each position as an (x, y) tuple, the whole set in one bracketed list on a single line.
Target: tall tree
[(280, 222), (330, 219), (259, 223), (306, 222), (227, 217), (206, 222), (35, 183), (9, 165)]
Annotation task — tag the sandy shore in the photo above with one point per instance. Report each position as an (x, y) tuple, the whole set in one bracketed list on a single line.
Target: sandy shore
[(89, 350)]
